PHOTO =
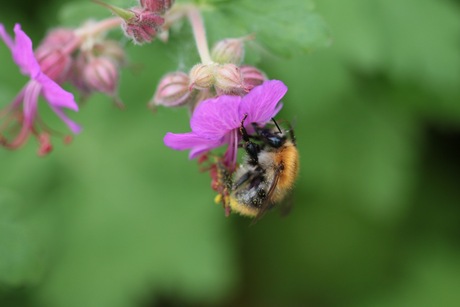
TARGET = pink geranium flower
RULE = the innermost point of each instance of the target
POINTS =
(24, 106)
(216, 121)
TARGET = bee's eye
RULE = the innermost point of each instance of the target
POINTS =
(275, 141)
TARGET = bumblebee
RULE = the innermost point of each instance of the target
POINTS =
(268, 172)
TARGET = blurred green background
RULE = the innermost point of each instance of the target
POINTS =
(118, 219)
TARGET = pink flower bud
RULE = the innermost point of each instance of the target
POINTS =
(229, 79)
(59, 37)
(172, 91)
(202, 76)
(101, 75)
(230, 50)
(54, 53)
(143, 26)
(157, 6)
(53, 62)
(252, 77)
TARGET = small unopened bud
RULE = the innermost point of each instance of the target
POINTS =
(157, 6)
(229, 79)
(252, 77)
(230, 50)
(143, 27)
(202, 76)
(58, 37)
(139, 24)
(53, 62)
(76, 73)
(101, 75)
(54, 53)
(172, 91)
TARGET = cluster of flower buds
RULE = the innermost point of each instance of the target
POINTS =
(97, 69)
(144, 22)
(223, 76)
(90, 63)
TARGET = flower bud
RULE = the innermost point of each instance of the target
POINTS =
(143, 26)
(229, 79)
(157, 6)
(76, 73)
(53, 62)
(59, 37)
(252, 77)
(101, 75)
(172, 91)
(54, 53)
(230, 50)
(202, 76)
(139, 24)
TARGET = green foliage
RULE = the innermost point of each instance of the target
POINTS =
(118, 219)
(73, 14)
(284, 28)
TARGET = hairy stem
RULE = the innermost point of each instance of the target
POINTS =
(199, 33)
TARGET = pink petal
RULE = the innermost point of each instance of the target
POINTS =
(56, 95)
(31, 93)
(75, 128)
(213, 118)
(6, 37)
(190, 140)
(261, 104)
(23, 53)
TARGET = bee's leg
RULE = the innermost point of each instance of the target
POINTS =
(258, 130)
(251, 148)
(241, 180)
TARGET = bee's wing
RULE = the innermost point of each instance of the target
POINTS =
(268, 204)
(286, 205)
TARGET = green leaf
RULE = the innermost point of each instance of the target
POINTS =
(412, 41)
(284, 28)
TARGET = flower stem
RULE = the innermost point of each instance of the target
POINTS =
(196, 21)
(101, 26)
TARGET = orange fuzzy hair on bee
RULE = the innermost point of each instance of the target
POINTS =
(288, 159)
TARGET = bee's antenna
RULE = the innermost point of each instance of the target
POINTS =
(276, 124)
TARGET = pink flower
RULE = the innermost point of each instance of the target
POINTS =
(27, 99)
(216, 121)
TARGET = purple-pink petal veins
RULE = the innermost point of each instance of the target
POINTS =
(215, 122)
(213, 118)
(190, 140)
(261, 104)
